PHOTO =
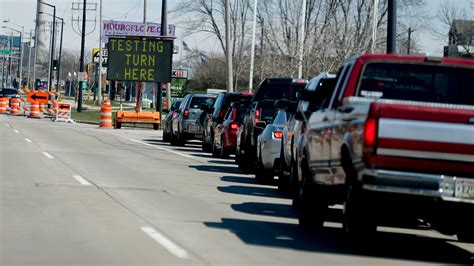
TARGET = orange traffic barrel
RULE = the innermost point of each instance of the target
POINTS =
(34, 110)
(3, 105)
(15, 107)
(41, 107)
(106, 115)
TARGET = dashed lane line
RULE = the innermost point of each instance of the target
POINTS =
(16, 131)
(49, 156)
(28, 140)
(165, 242)
(82, 180)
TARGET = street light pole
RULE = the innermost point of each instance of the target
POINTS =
(50, 76)
(81, 67)
(392, 27)
(252, 54)
(29, 60)
(99, 95)
(58, 71)
(302, 35)
(228, 48)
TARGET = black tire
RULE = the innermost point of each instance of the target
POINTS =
(262, 176)
(224, 153)
(358, 219)
(173, 139)
(283, 180)
(166, 137)
(206, 147)
(155, 126)
(215, 150)
(465, 233)
(310, 202)
(181, 139)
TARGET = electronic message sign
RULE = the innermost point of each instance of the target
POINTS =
(146, 60)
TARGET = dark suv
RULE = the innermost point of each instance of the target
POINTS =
(216, 114)
(186, 125)
(260, 113)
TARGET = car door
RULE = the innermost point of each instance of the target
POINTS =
(319, 134)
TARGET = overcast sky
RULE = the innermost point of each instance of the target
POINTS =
(23, 12)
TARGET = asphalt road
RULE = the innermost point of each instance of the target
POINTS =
(73, 194)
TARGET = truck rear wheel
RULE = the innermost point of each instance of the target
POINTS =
(358, 219)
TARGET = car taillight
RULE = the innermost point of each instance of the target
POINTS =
(277, 134)
(234, 126)
(186, 114)
(371, 130)
(257, 115)
(174, 114)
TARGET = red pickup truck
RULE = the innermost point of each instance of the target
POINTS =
(396, 138)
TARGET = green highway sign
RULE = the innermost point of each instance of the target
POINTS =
(5, 52)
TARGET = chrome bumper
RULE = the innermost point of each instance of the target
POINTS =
(437, 186)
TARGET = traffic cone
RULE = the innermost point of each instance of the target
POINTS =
(34, 110)
(3, 105)
(106, 115)
(15, 107)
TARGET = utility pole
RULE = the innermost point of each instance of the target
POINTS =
(29, 60)
(410, 31)
(99, 96)
(302, 35)
(58, 71)
(252, 55)
(228, 48)
(83, 42)
(50, 80)
(392, 27)
(164, 33)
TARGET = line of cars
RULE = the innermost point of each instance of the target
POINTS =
(387, 136)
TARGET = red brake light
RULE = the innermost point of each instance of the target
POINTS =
(186, 114)
(370, 135)
(277, 134)
(257, 115)
(234, 126)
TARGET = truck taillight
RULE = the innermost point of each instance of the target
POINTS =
(370, 135)
(234, 126)
(258, 113)
(371, 129)
(186, 114)
(277, 134)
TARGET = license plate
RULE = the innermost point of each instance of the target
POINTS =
(194, 128)
(464, 189)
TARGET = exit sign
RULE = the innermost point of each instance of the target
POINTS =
(5, 52)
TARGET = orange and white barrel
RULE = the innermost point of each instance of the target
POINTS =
(3, 105)
(41, 107)
(106, 115)
(34, 110)
(15, 107)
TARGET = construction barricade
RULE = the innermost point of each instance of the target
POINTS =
(15, 107)
(3, 105)
(34, 110)
(106, 115)
(63, 113)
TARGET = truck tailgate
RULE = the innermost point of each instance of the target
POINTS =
(437, 139)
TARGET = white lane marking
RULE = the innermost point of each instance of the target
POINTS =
(81, 180)
(165, 242)
(16, 131)
(48, 155)
(28, 140)
(164, 149)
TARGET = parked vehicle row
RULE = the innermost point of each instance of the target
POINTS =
(388, 135)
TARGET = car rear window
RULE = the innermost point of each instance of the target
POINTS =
(197, 101)
(416, 82)
(278, 91)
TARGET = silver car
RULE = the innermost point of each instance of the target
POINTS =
(269, 146)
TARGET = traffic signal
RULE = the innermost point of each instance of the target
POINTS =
(55, 64)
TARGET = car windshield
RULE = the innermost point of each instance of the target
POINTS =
(425, 83)
(197, 101)
(8, 91)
